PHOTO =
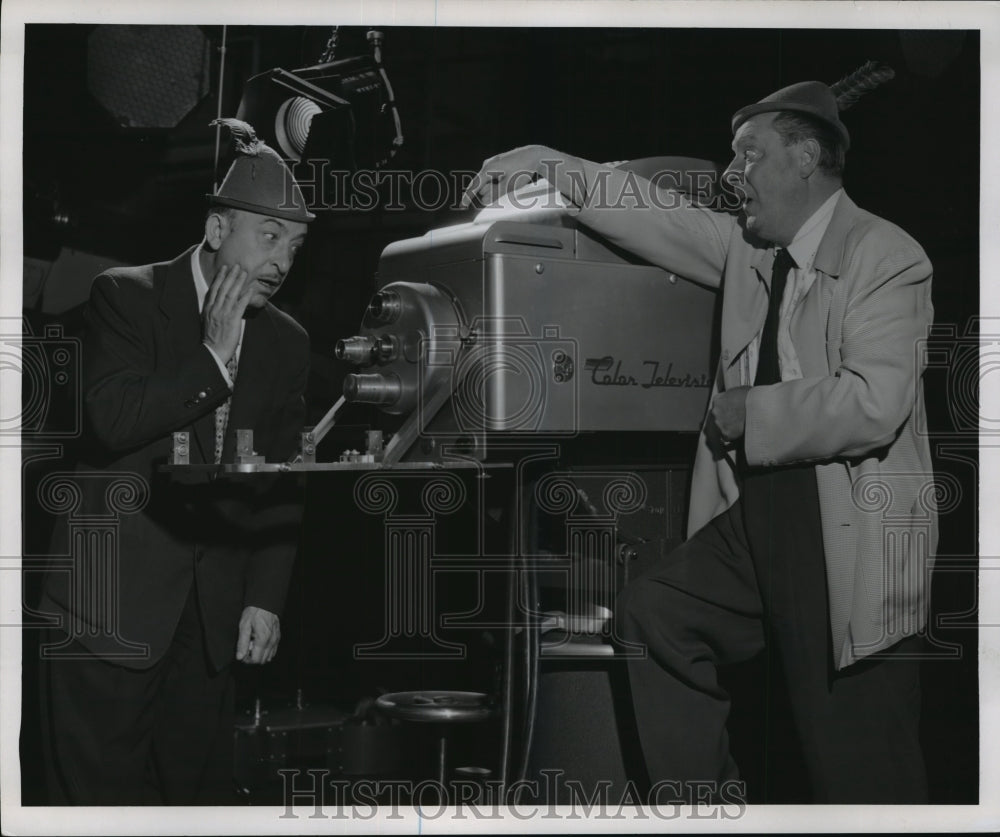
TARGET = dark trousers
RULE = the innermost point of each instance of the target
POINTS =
(752, 580)
(121, 736)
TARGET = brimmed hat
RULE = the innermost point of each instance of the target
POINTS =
(812, 97)
(258, 180)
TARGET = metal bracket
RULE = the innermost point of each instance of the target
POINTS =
(307, 447)
(376, 445)
(245, 454)
(181, 452)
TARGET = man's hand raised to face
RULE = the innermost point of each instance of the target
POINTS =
(225, 303)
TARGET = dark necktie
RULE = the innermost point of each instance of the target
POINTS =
(768, 367)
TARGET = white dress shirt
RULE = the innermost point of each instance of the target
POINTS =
(803, 252)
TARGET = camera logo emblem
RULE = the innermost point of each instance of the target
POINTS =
(49, 369)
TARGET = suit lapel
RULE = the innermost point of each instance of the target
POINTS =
(179, 308)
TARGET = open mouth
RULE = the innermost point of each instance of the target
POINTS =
(269, 283)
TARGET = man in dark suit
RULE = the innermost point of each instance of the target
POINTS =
(137, 687)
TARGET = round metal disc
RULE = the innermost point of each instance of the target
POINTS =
(430, 706)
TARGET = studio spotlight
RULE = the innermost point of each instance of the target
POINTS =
(291, 125)
(340, 111)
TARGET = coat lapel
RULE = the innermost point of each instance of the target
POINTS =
(745, 305)
(179, 307)
(828, 265)
(830, 255)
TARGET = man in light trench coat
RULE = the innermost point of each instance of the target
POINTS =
(812, 523)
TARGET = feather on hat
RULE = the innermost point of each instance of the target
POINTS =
(258, 180)
(819, 100)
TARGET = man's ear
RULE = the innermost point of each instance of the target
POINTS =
(809, 154)
(216, 229)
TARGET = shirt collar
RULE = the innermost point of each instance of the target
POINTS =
(806, 242)
(200, 285)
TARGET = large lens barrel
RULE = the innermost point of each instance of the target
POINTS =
(356, 350)
(383, 389)
(364, 350)
(386, 306)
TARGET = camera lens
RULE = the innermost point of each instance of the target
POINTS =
(386, 306)
(372, 389)
(357, 350)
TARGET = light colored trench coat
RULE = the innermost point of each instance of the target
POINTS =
(857, 412)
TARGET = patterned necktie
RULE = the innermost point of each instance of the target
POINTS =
(768, 367)
(222, 413)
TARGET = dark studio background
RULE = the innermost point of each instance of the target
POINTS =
(136, 195)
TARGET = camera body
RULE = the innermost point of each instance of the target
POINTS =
(502, 327)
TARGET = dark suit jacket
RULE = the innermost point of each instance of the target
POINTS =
(146, 374)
